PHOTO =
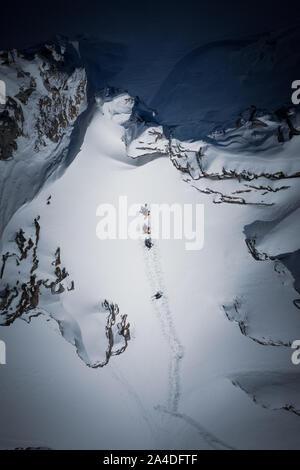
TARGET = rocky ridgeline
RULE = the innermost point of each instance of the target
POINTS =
(45, 95)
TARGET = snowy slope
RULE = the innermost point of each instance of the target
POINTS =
(176, 372)
(69, 222)
(105, 269)
(276, 391)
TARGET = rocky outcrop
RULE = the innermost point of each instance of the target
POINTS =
(115, 331)
(271, 390)
(235, 312)
(23, 285)
(46, 94)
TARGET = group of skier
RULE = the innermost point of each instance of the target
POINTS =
(147, 228)
(148, 242)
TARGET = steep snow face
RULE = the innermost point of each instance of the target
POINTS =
(33, 283)
(245, 165)
(45, 97)
(227, 311)
(155, 362)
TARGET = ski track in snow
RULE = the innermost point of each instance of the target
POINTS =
(213, 441)
(163, 313)
(119, 376)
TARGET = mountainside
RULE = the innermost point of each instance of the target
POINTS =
(210, 87)
(97, 348)
(45, 96)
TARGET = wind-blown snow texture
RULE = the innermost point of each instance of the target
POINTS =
(96, 360)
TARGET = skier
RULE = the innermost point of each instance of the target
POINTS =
(145, 211)
(158, 295)
(148, 243)
(147, 229)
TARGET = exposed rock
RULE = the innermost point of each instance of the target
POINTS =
(22, 298)
(46, 93)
